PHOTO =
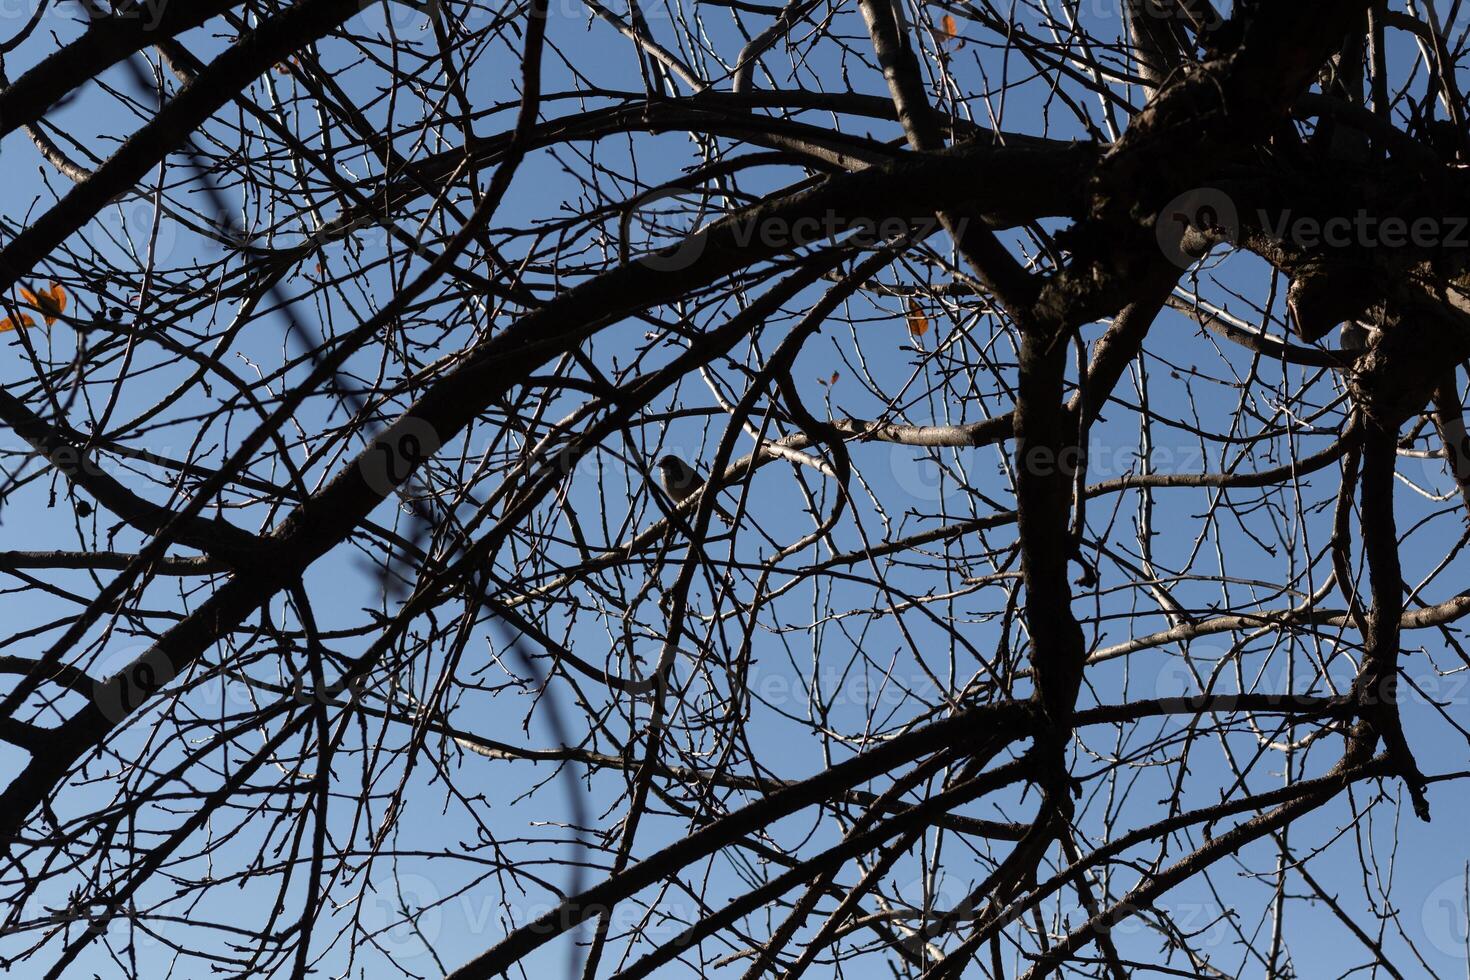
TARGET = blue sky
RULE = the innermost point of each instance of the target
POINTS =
(438, 870)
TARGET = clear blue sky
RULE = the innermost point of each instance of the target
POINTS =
(1424, 867)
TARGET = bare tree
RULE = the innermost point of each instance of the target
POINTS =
(1078, 383)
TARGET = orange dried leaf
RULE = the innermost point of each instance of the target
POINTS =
(8, 324)
(951, 29)
(834, 378)
(50, 303)
(918, 322)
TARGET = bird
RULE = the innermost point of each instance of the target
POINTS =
(1355, 336)
(1326, 293)
(680, 481)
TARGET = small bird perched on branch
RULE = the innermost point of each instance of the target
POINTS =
(1355, 336)
(680, 481)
